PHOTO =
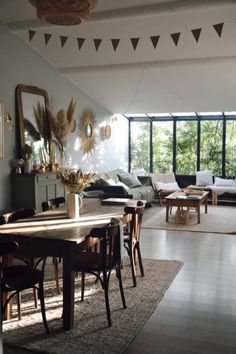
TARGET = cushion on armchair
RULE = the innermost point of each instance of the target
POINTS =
(204, 178)
(222, 182)
(167, 186)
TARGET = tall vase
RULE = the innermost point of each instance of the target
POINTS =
(74, 203)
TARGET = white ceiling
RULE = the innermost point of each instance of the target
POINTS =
(192, 76)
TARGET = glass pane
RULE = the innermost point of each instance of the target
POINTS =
(186, 147)
(211, 146)
(140, 145)
(230, 147)
(163, 147)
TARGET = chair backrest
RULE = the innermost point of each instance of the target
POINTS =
(8, 248)
(53, 203)
(19, 214)
(2, 220)
(135, 220)
(109, 244)
(163, 177)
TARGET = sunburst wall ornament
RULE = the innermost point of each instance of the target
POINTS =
(87, 130)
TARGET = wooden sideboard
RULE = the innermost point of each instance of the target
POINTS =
(30, 190)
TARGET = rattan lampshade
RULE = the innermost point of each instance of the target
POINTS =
(63, 12)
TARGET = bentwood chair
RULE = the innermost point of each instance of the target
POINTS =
(101, 262)
(132, 237)
(48, 205)
(17, 278)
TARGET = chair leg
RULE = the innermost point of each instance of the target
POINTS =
(82, 285)
(140, 259)
(35, 298)
(132, 265)
(118, 275)
(56, 272)
(106, 284)
(42, 303)
(19, 305)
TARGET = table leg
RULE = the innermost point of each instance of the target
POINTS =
(68, 293)
(167, 212)
(206, 204)
(198, 214)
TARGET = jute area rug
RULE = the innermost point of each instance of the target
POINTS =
(219, 219)
(90, 333)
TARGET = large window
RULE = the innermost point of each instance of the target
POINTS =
(186, 147)
(211, 146)
(184, 142)
(163, 146)
(140, 146)
(230, 146)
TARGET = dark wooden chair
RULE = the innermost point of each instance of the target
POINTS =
(101, 262)
(17, 278)
(53, 203)
(132, 237)
(48, 205)
(19, 214)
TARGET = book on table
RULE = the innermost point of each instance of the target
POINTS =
(116, 201)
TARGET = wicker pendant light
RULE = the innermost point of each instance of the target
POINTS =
(63, 12)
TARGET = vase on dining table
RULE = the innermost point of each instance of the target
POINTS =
(74, 205)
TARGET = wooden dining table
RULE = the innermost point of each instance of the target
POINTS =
(52, 233)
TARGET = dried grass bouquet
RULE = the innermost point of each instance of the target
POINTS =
(74, 181)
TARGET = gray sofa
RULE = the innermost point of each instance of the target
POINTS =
(120, 183)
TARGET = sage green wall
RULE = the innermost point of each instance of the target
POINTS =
(20, 64)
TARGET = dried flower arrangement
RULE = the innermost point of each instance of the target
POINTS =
(74, 181)
(27, 152)
(62, 124)
(42, 125)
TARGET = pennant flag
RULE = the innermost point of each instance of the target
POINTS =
(97, 43)
(80, 42)
(155, 40)
(47, 37)
(219, 27)
(63, 40)
(134, 42)
(175, 37)
(31, 35)
(196, 33)
(115, 43)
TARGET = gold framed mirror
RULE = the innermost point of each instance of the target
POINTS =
(33, 123)
(87, 130)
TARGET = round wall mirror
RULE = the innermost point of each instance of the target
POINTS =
(88, 131)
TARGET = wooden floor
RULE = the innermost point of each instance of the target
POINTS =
(198, 312)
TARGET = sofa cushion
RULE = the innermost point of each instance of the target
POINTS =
(100, 181)
(130, 180)
(222, 182)
(167, 186)
(204, 178)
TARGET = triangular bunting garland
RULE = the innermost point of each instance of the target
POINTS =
(63, 40)
(134, 42)
(175, 37)
(31, 35)
(218, 28)
(47, 37)
(155, 40)
(196, 33)
(80, 42)
(97, 43)
(115, 43)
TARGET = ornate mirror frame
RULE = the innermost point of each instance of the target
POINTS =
(20, 91)
(87, 128)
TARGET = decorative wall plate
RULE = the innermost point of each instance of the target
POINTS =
(87, 127)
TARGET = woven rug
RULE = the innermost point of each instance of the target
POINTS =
(90, 333)
(219, 219)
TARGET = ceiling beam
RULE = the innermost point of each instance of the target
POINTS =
(147, 65)
(161, 8)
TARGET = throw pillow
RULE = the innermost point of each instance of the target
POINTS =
(130, 180)
(223, 182)
(167, 186)
(100, 182)
(204, 178)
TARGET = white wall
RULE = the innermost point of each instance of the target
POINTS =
(19, 64)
